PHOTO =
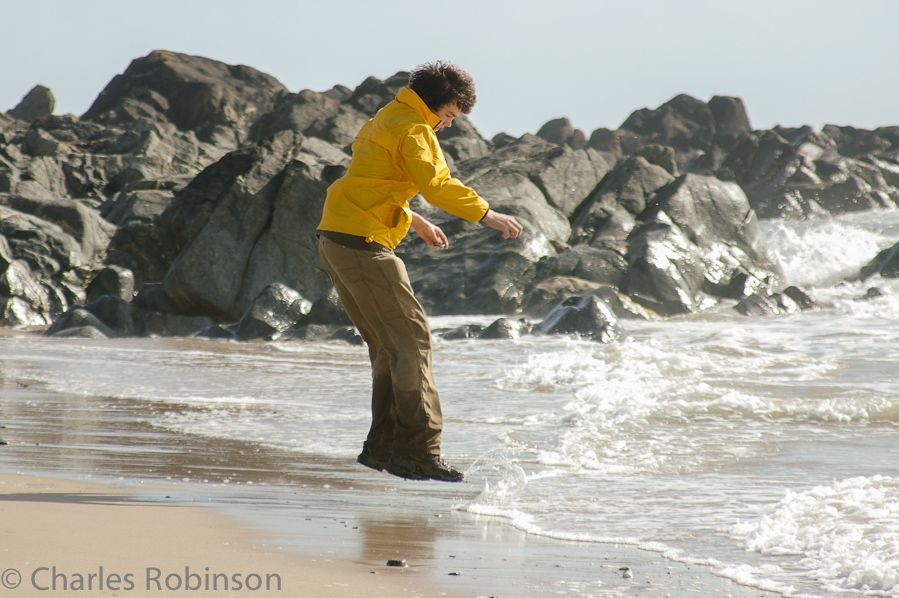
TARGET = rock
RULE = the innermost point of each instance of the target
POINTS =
(857, 143)
(698, 230)
(152, 297)
(464, 331)
(50, 266)
(314, 114)
(561, 132)
(84, 225)
(145, 248)
(229, 206)
(81, 332)
(248, 221)
(610, 212)
(501, 140)
(326, 310)
(798, 173)
(111, 280)
(17, 312)
(287, 250)
(684, 123)
(37, 103)
(587, 316)
(731, 120)
(217, 101)
(739, 285)
(800, 297)
(886, 264)
(480, 272)
(564, 176)
(660, 155)
(767, 305)
(38, 143)
(549, 292)
(275, 310)
(607, 143)
(873, 293)
(597, 264)
(372, 94)
(23, 300)
(79, 318)
(462, 141)
(348, 334)
(116, 313)
(505, 328)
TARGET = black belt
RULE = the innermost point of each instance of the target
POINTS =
(351, 241)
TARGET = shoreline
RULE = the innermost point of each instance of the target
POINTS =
(64, 536)
(146, 536)
(93, 460)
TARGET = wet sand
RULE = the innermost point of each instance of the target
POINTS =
(103, 487)
(65, 536)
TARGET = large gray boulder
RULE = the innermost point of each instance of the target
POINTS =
(697, 234)
(217, 101)
(23, 300)
(611, 211)
(46, 267)
(561, 132)
(249, 221)
(605, 265)
(586, 316)
(886, 264)
(81, 223)
(275, 310)
(111, 280)
(37, 103)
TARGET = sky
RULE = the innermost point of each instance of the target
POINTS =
(793, 62)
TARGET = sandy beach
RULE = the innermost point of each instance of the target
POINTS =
(65, 536)
(92, 493)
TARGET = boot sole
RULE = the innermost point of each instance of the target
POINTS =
(408, 474)
(371, 463)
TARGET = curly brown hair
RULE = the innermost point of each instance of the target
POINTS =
(441, 83)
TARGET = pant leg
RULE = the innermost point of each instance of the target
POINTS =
(383, 407)
(379, 295)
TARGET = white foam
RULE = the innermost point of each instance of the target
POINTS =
(844, 536)
(818, 252)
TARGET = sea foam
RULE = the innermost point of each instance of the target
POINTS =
(844, 535)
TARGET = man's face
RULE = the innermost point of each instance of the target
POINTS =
(447, 113)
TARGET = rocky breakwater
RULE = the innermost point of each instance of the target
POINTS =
(185, 201)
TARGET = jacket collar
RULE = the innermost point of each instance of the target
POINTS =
(411, 99)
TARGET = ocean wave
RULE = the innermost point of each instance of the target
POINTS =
(844, 536)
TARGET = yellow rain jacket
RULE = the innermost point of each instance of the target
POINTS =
(395, 155)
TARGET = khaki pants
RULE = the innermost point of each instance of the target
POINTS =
(376, 293)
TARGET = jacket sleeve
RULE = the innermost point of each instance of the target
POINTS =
(423, 161)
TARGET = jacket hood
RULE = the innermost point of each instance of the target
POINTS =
(411, 99)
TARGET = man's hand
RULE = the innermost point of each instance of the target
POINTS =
(430, 232)
(507, 225)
